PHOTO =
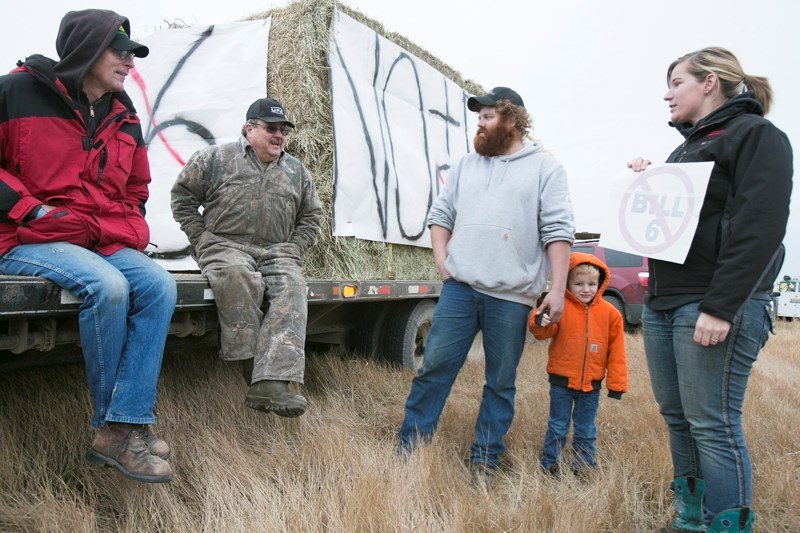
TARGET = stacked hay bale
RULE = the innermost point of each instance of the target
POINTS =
(297, 75)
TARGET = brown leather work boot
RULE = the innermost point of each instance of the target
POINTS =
(273, 396)
(124, 447)
(155, 444)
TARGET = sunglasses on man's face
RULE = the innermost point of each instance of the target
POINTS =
(124, 54)
(272, 128)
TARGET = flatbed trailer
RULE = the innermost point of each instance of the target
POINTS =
(384, 319)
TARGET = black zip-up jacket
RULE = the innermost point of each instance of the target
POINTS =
(744, 214)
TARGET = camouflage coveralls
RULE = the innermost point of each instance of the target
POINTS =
(256, 224)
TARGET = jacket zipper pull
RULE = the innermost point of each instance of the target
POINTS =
(90, 126)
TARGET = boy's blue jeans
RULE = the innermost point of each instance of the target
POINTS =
(128, 301)
(700, 392)
(459, 315)
(580, 408)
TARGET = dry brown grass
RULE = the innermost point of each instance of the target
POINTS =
(334, 469)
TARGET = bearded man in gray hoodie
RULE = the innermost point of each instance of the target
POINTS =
(502, 223)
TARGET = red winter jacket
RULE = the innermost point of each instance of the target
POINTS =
(98, 183)
(588, 343)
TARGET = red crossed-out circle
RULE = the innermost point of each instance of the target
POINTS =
(642, 185)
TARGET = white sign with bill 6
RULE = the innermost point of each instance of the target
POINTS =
(654, 213)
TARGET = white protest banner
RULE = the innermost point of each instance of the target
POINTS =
(654, 213)
(192, 91)
(399, 124)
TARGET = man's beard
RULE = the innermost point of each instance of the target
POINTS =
(494, 141)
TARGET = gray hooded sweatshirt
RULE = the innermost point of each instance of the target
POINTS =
(503, 211)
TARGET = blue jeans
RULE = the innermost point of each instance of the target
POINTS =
(581, 409)
(700, 392)
(459, 315)
(128, 301)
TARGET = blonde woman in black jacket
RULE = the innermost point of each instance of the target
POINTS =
(706, 320)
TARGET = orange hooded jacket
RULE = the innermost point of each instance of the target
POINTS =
(588, 343)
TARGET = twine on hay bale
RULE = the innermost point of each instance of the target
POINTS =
(297, 75)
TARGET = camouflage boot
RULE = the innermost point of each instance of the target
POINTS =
(124, 447)
(273, 396)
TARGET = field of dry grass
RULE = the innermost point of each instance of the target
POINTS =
(334, 469)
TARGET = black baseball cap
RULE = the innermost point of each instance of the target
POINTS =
(121, 41)
(475, 103)
(268, 110)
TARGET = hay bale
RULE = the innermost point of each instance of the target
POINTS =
(297, 75)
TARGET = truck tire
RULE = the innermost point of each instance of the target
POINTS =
(405, 333)
(364, 338)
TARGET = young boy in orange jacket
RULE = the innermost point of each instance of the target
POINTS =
(587, 346)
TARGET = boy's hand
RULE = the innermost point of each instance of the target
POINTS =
(542, 319)
(538, 318)
(553, 305)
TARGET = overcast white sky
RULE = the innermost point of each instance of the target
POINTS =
(592, 73)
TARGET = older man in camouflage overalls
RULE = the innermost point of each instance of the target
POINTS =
(260, 214)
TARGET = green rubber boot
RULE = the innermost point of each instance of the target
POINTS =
(688, 504)
(732, 521)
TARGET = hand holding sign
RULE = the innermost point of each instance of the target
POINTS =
(655, 212)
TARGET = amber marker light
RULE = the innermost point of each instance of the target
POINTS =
(348, 291)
